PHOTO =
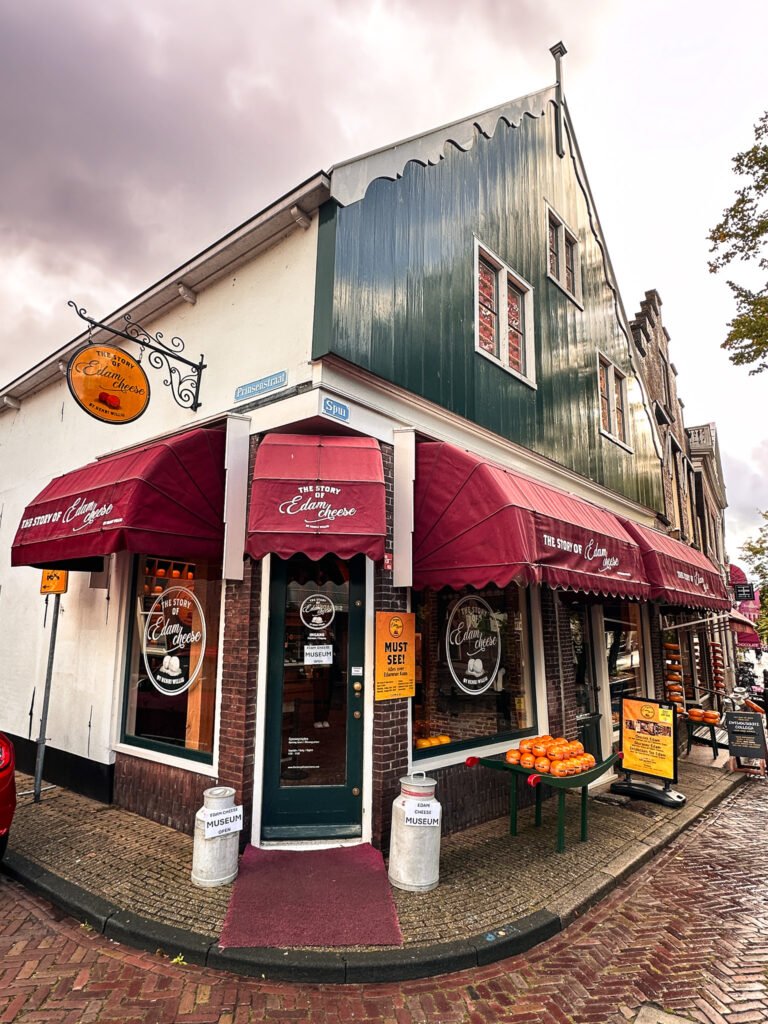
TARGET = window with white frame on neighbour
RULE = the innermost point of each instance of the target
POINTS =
(613, 399)
(563, 256)
(504, 315)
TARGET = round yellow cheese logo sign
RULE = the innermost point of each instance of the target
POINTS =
(108, 383)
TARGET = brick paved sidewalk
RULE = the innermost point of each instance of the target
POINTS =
(489, 881)
(683, 939)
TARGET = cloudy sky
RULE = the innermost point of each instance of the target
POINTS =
(136, 133)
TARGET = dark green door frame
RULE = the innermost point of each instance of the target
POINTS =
(313, 811)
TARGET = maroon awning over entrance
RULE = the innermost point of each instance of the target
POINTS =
(318, 495)
(164, 498)
(679, 574)
(478, 524)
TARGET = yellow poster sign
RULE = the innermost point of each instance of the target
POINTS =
(54, 581)
(648, 738)
(108, 384)
(395, 655)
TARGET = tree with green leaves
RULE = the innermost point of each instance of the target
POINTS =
(754, 551)
(742, 234)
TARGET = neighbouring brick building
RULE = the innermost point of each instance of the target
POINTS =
(419, 396)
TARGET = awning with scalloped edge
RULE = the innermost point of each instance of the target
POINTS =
(318, 495)
(476, 524)
(679, 574)
(164, 498)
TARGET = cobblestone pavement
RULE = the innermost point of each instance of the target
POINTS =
(685, 938)
(486, 881)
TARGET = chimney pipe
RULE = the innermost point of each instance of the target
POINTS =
(558, 51)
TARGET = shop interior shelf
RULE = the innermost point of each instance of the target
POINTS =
(536, 780)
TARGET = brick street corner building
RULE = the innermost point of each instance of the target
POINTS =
(421, 395)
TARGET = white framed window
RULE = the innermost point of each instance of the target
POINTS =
(503, 315)
(563, 256)
(612, 388)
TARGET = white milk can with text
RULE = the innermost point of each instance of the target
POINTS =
(414, 849)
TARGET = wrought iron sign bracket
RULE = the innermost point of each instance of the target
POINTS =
(184, 385)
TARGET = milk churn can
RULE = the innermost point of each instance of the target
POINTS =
(414, 849)
(214, 861)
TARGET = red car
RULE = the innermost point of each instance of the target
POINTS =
(7, 789)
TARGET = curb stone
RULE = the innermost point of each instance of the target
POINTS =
(316, 966)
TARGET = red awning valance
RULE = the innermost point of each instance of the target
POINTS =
(679, 574)
(317, 495)
(164, 498)
(477, 524)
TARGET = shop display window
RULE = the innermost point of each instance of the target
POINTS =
(624, 656)
(173, 636)
(473, 683)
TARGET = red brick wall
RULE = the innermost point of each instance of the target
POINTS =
(240, 663)
(171, 796)
(390, 717)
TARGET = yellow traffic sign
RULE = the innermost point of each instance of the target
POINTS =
(54, 581)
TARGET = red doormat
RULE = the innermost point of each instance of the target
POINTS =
(338, 897)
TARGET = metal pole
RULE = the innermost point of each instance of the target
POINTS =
(46, 699)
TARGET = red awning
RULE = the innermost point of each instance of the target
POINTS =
(679, 574)
(737, 574)
(736, 620)
(749, 640)
(165, 498)
(317, 495)
(478, 524)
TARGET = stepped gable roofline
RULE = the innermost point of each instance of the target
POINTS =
(351, 178)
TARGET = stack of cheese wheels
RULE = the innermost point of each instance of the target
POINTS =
(549, 755)
(716, 656)
(673, 675)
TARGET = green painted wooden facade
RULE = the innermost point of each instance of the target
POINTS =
(396, 297)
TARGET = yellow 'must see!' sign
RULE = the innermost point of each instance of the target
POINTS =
(395, 655)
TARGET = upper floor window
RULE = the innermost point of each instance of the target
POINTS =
(504, 315)
(612, 386)
(563, 264)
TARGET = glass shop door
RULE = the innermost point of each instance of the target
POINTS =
(314, 709)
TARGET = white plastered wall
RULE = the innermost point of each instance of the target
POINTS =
(250, 324)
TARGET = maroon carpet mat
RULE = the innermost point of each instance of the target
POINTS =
(337, 897)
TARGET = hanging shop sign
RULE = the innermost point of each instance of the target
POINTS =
(183, 376)
(746, 734)
(743, 591)
(395, 655)
(173, 645)
(648, 738)
(473, 645)
(54, 581)
(108, 384)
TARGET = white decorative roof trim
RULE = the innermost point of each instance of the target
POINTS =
(350, 180)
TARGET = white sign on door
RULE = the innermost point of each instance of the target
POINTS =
(318, 654)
